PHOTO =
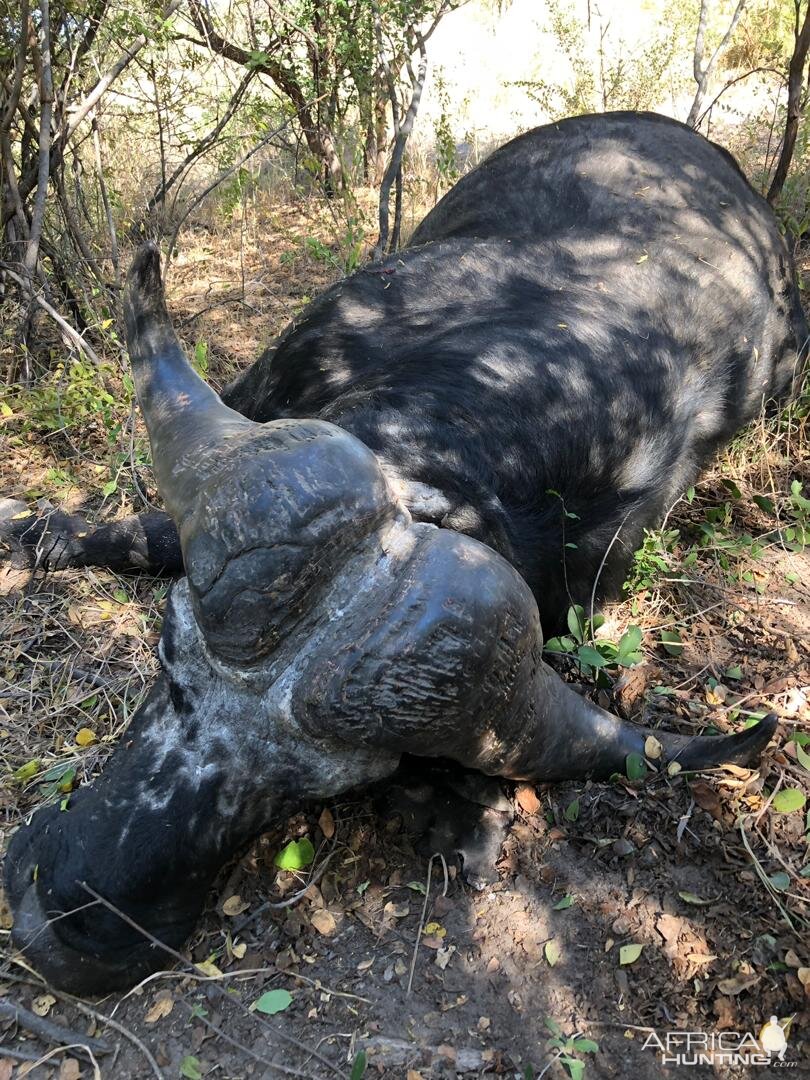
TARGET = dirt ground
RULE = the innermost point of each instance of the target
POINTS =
(621, 910)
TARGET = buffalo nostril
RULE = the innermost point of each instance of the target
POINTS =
(33, 934)
(62, 966)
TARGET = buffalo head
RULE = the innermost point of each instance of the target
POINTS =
(319, 633)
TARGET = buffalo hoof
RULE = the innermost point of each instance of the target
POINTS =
(460, 814)
(28, 540)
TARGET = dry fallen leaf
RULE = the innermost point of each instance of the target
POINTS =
(443, 956)
(435, 929)
(208, 967)
(326, 823)
(323, 921)
(725, 1012)
(707, 799)
(397, 911)
(716, 695)
(43, 1004)
(70, 1069)
(652, 748)
(239, 950)
(527, 799)
(6, 1068)
(736, 984)
(235, 905)
(161, 1007)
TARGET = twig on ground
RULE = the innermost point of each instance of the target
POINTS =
(279, 905)
(19, 1055)
(45, 1059)
(244, 1049)
(47, 1030)
(181, 959)
(108, 1021)
(763, 877)
(435, 855)
(34, 979)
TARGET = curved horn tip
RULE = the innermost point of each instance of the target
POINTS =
(744, 748)
(144, 272)
(752, 741)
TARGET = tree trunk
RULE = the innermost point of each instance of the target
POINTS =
(380, 133)
(703, 72)
(795, 83)
(323, 144)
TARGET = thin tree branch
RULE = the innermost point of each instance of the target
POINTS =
(703, 72)
(15, 88)
(794, 106)
(46, 111)
(395, 164)
(62, 323)
(108, 78)
(105, 199)
(204, 144)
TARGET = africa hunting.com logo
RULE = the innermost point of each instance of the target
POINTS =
(725, 1047)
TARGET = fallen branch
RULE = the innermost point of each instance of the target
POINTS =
(188, 965)
(47, 1030)
(62, 323)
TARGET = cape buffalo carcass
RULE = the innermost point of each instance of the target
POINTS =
(442, 453)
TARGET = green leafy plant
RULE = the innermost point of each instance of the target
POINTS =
(296, 855)
(74, 393)
(593, 655)
(443, 140)
(797, 535)
(200, 359)
(568, 1047)
(652, 559)
(349, 247)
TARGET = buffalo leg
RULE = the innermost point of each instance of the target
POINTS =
(56, 541)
